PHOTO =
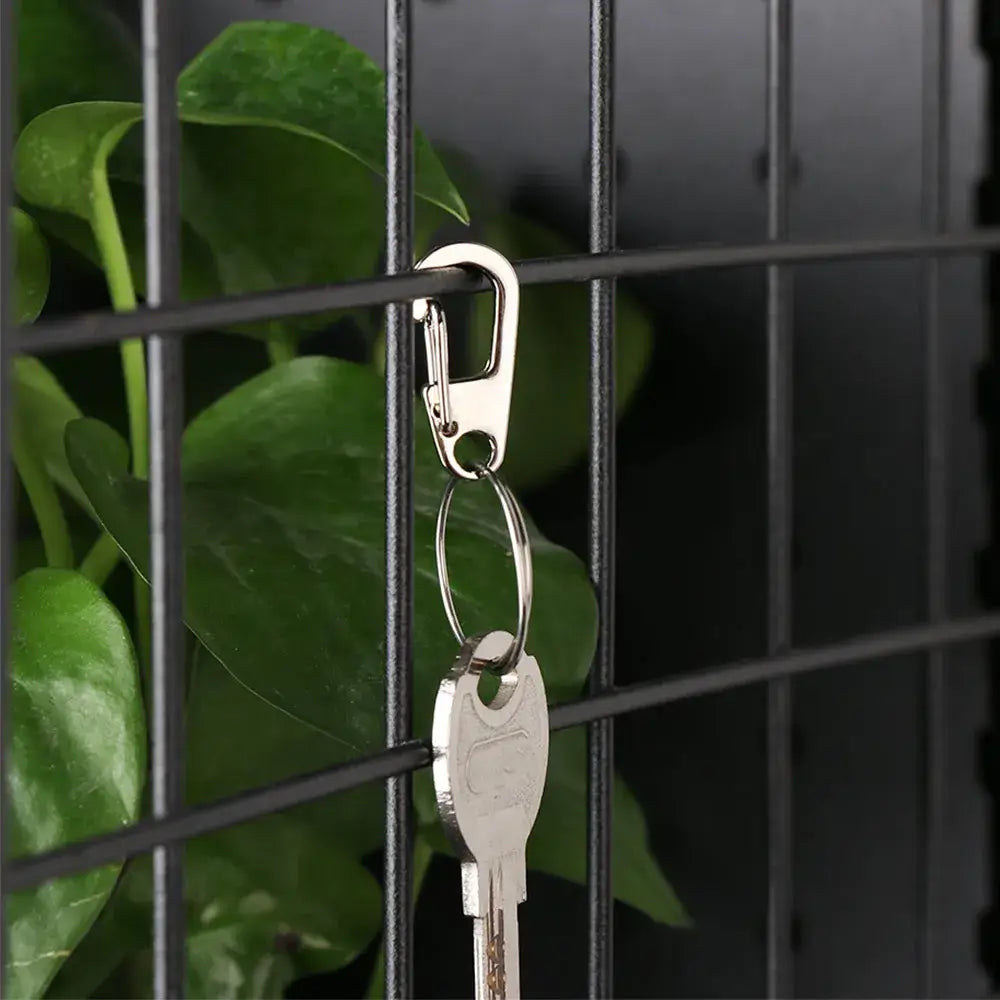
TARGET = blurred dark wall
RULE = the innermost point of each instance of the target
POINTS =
(506, 82)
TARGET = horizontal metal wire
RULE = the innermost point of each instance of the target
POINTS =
(24, 873)
(212, 314)
(148, 833)
(802, 661)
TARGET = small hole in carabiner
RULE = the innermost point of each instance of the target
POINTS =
(446, 430)
(474, 450)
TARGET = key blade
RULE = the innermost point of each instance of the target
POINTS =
(495, 942)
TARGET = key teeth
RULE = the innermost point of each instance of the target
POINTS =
(476, 883)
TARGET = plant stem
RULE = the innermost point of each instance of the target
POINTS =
(133, 355)
(111, 245)
(280, 345)
(44, 502)
(422, 854)
(102, 558)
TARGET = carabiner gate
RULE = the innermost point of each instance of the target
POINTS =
(480, 404)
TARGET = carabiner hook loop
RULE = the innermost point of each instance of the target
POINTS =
(480, 404)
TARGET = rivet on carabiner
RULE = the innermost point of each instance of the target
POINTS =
(480, 404)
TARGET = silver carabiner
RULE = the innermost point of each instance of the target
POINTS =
(480, 404)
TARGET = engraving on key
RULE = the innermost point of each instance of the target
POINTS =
(489, 774)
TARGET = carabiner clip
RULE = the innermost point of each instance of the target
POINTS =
(480, 403)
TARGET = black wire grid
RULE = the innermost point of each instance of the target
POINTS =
(172, 823)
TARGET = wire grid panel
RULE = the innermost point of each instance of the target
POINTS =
(163, 319)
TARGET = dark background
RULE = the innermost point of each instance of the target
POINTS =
(506, 82)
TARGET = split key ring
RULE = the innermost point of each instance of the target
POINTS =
(521, 549)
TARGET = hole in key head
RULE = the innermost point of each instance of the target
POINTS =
(489, 685)
(474, 449)
(494, 690)
(495, 684)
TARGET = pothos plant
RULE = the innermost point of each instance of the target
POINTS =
(282, 184)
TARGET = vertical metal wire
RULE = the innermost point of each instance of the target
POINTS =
(8, 76)
(779, 505)
(166, 421)
(399, 394)
(934, 211)
(600, 763)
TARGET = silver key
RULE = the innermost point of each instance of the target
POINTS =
(489, 773)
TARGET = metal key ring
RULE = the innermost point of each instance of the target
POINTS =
(521, 548)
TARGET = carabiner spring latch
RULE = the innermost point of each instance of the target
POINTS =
(480, 404)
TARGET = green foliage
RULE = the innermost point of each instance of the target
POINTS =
(76, 763)
(305, 80)
(31, 268)
(62, 155)
(238, 741)
(262, 900)
(199, 279)
(251, 885)
(72, 50)
(43, 409)
(285, 523)
(283, 165)
(265, 100)
(285, 520)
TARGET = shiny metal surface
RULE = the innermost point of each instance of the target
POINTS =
(436, 339)
(489, 764)
(521, 550)
(480, 404)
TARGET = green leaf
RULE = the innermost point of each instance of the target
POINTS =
(285, 540)
(40, 403)
(323, 222)
(31, 268)
(261, 899)
(72, 50)
(60, 161)
(238, 741)
(120, 930)
(282, 159)
(263, 893)
(308, 80)
(549, 411)
(76, 758)
(199, 278)
(42, 409)
(558, 841)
